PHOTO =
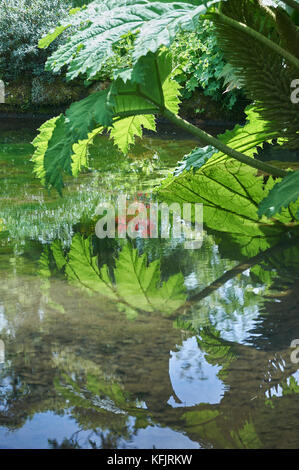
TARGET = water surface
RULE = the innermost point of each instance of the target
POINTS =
(204, 366)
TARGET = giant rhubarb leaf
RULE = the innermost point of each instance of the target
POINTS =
(231, 193)
(137, 286)
(246, 139)
(104, 22)
(124, 109)
(82, 269)
(284, 194)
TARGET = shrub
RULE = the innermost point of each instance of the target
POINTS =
(201, 64)
(22, 24)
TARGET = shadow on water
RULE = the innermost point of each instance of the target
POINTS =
(136, 344)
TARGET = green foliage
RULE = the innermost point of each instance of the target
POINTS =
(80, 157)
(290, 386)
(282, 195)
(246, 139)
(201, 63)
(231, 193)
(119, 60)
(263, 72)
(104, 22)
(195, 159)
(146, 87)
(22, 23)
(123, 108)
(80, 3)
(138, 285)
(217, 351)
(247, 437)
(125, 130)
(40, 142)
(82, 269)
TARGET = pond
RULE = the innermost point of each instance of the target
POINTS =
(120, 343)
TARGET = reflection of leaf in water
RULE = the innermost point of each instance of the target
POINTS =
(246, 438)
(280, 266)
(231, 193)
(79, 395)
(217, 351)
(44, 272)
(287, 260)
(84, 385)
(58, 254)
(82, 268)
(265, 275)
(204, 423)
(83, 382)
(137, 284)
(288, 387)
(184, 325)
(208, 425)
(44, 268)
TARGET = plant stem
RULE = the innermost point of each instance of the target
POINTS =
(259, 37)
(210, 140)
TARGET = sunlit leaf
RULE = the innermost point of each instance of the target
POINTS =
(231, 193)
(245, 139)
(124, 109)
(104, 22)
(285, 192)
(125, 130)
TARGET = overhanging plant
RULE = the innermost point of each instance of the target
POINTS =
(146, 89)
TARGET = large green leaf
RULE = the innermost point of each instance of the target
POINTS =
(137, 286)
(80, 152)
(57, 158)
(282, 195)
(82, 269)
(124, 109)
(83, 116)
(104, 22)
(150, 90)
(231, 193)
(41, 145)
(55, 154)
(246, 139)
(252, 59)
(125, 130)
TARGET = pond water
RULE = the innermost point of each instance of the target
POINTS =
(136, 343)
